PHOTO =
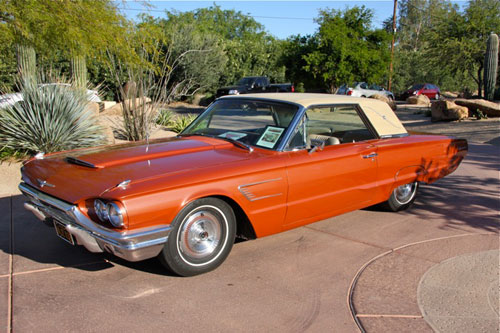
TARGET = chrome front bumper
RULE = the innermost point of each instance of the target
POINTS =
(132, 245)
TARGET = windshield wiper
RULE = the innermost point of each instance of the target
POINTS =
(236, 143)
(233, 141)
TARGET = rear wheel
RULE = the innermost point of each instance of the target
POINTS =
(402, 197)
(201, 238)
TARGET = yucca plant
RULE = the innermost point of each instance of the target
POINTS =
(50, 118)
(181, 122)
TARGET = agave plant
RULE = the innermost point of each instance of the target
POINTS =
(181, 122)
(50, 118)
(164, 117)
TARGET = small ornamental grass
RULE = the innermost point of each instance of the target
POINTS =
(164, 117)
(49, 119)
(181, 122)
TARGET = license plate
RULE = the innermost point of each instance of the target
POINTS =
(63, 233)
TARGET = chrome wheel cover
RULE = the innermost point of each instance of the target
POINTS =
(200, 235)
(405, 193)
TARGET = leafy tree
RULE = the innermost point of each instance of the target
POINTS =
(76, 29)
(295, 48)
(440, 43)
(249, 50)
(345, 48)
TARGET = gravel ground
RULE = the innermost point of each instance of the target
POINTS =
(476, 131)
(413, 118)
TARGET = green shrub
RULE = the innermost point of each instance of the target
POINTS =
(50, 118)
(10, 154)
(164, 117)
(181, 122)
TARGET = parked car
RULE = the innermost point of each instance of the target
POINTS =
(11, 99)
(427, 89)
(362, 89)
(253, 85)
(251, 166)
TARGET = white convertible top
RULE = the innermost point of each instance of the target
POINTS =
(379, 113)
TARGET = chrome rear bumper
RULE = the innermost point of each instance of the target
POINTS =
(132, 245)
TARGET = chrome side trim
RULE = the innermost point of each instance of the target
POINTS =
(132, 245)
(250, 196)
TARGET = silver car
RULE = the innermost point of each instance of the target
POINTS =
(362, 89)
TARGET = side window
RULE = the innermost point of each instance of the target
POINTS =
(363, 85)
(333, 125)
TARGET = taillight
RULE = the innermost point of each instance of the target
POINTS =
(349, 92)
(293, 88)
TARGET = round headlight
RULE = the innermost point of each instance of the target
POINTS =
(101, 210)
(115, 214)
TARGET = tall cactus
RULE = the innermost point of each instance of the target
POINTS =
(490, 66)
(26, 62)
(79, 71)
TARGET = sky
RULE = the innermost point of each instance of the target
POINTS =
(280, 18)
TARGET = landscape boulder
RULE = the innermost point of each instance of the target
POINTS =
(93, 107)
(383, 98)
(419, 100)
(490, 109)
(449, 94)
(109, 134)
(447, 110)
(117, 109)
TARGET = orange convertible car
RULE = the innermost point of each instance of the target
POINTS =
(249, 166)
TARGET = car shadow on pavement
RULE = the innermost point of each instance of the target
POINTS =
(36, 246)
(464, 198)
(453, 200)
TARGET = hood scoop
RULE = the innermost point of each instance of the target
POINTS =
(74, 160)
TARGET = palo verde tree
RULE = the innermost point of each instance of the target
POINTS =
(457, 39)
(346, 48)
(76, 30)
(247, 48)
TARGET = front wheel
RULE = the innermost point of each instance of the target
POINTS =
(402, 197)
(201, 238)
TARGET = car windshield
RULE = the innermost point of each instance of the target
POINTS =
(256, 123)
(246, 81)
(417, 87)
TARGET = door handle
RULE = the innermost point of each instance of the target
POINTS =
(371, 155)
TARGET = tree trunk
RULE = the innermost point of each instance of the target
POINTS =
(26, 62)
(79, 71)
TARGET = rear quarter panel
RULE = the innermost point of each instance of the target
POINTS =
(423, 158)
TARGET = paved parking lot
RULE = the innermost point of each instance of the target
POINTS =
(361, 269)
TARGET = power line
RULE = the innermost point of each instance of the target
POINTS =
(254, 16)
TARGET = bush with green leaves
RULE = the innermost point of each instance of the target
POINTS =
(181, 122)
(50, 118)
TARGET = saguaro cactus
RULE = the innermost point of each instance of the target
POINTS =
(490, 66)
(79, 71)
(26, 62)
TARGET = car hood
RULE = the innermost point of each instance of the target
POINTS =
(76, 175)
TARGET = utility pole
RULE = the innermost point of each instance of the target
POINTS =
(392, 45)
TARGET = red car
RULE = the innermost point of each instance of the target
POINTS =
(427, 89)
